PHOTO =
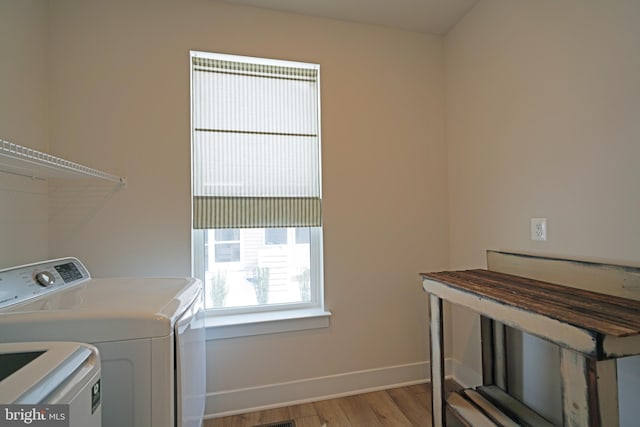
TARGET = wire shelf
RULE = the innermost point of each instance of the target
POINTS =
(25, 161)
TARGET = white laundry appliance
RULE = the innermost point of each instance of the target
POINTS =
(50, 383)
(149, 333)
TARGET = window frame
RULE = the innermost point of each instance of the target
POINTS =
(266, 318)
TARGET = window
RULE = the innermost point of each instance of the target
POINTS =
(257, 223)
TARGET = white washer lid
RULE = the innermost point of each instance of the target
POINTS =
(47, 366)
(102, 310)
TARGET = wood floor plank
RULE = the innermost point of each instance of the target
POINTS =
(385, 409)
(331, 412)
(274, 415)
(414, 403)
(358, 412)
(421, 389)
(309, 421)
(302, 410)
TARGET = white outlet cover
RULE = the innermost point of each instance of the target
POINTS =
(539, 229)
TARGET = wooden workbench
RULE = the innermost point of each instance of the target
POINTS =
(590, 328)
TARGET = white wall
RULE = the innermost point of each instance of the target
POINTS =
(23, 120)
(119, 73)
(542, 108)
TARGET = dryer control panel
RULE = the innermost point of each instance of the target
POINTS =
(19, 284)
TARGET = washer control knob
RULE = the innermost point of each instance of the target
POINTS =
(45, 279)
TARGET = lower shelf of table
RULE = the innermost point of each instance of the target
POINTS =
(490, 406)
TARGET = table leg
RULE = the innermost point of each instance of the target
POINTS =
(436, 329)
(607, 379)
(580, 406)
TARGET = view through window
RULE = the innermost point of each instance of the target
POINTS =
(255, 266)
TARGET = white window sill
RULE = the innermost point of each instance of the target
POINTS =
(244, 325)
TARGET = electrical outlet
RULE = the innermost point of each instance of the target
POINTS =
(539, 229)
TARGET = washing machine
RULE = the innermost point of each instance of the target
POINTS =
(149, 333)
(50, 383)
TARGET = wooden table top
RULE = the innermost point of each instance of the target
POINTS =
(601, 313)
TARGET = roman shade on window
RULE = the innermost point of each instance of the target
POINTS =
(256, 143)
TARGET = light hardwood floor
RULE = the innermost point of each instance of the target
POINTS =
(399, 407)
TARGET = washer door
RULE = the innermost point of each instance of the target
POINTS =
(190, 366)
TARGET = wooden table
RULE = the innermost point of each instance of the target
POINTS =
(591, 329)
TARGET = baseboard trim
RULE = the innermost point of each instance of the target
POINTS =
(240, 401)
(232, 402)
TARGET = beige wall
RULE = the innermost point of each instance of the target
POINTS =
(543, 102)
(119, 75)
(23, 120)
